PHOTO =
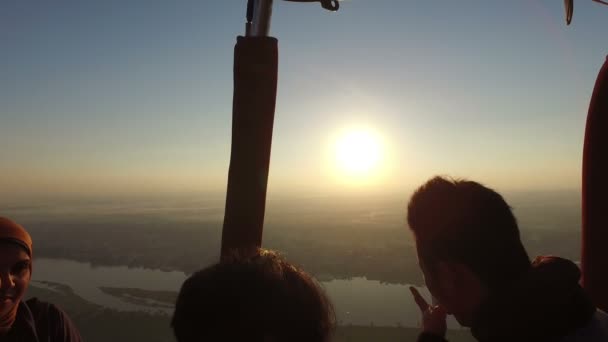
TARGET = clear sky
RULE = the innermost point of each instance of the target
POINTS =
(135, 96)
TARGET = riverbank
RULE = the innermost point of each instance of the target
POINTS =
(99, 324)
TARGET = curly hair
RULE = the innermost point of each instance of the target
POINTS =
(255, 298)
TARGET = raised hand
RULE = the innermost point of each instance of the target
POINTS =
(433, 316)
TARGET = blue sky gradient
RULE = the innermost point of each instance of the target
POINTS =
(135, 96)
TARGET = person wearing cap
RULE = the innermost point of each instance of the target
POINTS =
(32, 320)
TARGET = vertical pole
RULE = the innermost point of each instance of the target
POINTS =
(595, 194)
(262, 15)
(254, 99)
(255, 90)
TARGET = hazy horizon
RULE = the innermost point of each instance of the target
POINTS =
(273, 196)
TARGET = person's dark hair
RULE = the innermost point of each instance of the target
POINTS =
(259, 298)
(463, 221)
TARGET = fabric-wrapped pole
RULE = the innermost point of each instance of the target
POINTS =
(595, 194)
(255, 89)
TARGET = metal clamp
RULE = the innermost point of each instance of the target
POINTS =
(259, 14)
(332, 5)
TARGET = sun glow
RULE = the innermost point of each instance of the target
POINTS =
(358, 154)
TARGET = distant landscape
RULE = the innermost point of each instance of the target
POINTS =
(331, 238)
(99, 324)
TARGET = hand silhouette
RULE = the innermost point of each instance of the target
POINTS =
(433, 316)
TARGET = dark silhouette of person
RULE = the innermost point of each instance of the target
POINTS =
(476, 267)
(32, 320)
(257, 298)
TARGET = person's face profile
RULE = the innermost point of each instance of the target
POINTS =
(15, 275)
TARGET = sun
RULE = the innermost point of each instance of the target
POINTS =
(358, 153)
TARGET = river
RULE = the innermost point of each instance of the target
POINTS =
(357, 301)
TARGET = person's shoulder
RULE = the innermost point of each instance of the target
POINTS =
(595, 330)
(39, 307)
(602, 318)
(52, 321)
(600, 322)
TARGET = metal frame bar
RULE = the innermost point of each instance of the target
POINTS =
(258, 24)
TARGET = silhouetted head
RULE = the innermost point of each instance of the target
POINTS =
(467, 241)
(15, 269)
(261, 298)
